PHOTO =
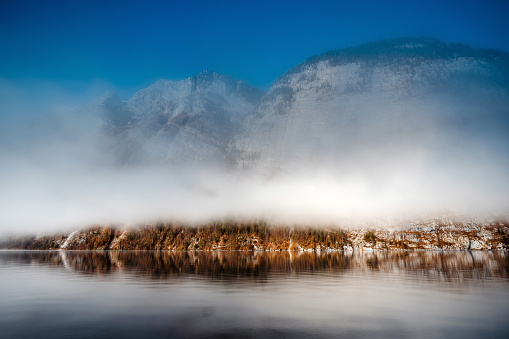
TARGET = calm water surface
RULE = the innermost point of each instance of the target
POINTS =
(244, 294)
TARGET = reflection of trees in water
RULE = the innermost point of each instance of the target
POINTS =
(444, 266)
(430, 266)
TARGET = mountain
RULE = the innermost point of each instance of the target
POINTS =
(408, 127)
(393, 101)
(392, 98)
(186, 121)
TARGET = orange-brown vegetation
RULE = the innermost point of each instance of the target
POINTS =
(258, 235)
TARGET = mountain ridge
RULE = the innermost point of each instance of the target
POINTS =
(426, 47)
(331, 94)
(342, 97)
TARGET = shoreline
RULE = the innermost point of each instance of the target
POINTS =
(436, 235)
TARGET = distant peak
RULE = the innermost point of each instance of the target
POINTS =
(208, 77)
(109, 98)
(208, 73)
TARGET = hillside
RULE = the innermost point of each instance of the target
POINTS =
(434, 234)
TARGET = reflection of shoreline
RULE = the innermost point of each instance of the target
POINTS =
(450, 268)
(65, 260)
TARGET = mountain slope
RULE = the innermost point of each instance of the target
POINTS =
(399, 99)
(388, 99)
(189, 120)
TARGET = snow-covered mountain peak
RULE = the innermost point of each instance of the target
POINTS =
(191, 119)
(164, 95)
(394, 94)
(335, 105)
(207, 74)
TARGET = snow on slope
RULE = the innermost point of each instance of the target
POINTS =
(376, 102)
(189, 120)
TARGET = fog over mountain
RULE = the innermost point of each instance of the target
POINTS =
(388, 129)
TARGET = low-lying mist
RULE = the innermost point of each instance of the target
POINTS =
(57, 173)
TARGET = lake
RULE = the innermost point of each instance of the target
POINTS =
(428, 294)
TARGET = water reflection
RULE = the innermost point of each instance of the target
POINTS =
(453, 268)
(253, 294)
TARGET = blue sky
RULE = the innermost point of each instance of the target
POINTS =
(80, 48)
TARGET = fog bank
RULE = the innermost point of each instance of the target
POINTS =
(59, 172)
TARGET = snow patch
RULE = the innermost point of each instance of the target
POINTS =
(68, 240)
